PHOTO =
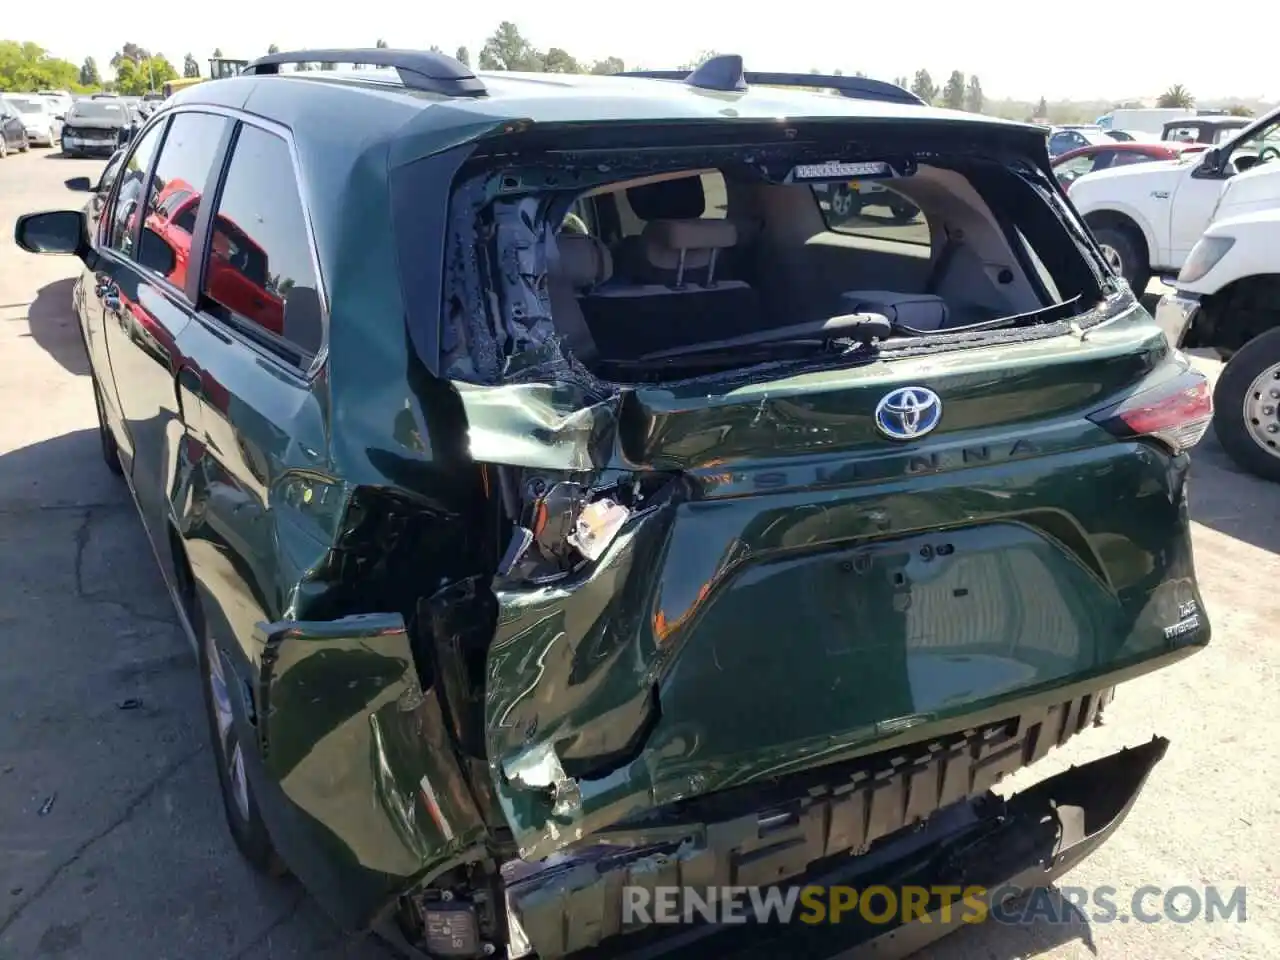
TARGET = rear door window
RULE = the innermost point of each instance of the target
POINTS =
(868, 208)
(259, 274)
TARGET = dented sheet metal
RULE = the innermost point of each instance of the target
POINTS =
(359, 753)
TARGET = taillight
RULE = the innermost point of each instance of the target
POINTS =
(1176, 413)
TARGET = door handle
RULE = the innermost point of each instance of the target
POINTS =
(109, 294)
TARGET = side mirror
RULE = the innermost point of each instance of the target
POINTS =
(60, 116)
(1208, 165)
(79, 184)
(57, 231)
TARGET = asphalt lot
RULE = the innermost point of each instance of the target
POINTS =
(112, 842)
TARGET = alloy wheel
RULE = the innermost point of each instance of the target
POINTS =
(1113, 258)
(1262, 410)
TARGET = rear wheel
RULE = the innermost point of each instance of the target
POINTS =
(1246, 402)
(106, 439)
(248, 829)
(1125, 255)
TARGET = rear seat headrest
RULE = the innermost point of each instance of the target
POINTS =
(692, 234)
(584, 261)
(678, 199)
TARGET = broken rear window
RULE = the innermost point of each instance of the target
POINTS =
(660, 268)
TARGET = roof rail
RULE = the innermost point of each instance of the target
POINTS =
(418, 69)
(725, 73)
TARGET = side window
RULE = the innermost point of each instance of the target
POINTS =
(868, 208)
(259, 273)
(129, 197)
(186, 159)
(1126, 157)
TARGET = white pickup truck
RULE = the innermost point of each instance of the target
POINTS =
(1227, 297)
(1148, 216)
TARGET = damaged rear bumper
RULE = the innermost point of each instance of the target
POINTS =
(1002, 846)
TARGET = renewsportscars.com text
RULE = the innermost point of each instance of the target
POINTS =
(945, 904)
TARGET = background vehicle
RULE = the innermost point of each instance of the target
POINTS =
(1065, 139)
(38, 118)
(848, 200)
(61, 98)
(99, 189)
(1076, 163)
(13, 132)
(219, 69)
(465, 551)
(1228, 298)
(1132, 136)
(1207, 129)
(1149, 119)
(1149, 216)
(98, 125)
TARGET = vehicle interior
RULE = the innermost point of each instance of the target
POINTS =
(673, 263)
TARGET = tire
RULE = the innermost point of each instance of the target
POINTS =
(4, 147)
(1130, 254)
(26, 144)
(248, 829)
(903, 213)
(1248, 388)
(106, 439)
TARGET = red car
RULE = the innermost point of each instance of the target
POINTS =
(1076, 163)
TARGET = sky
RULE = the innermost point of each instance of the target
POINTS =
(1017, 49)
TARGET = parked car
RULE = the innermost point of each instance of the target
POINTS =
(61, 100)
(1205, 129)
(1149, 216)
(848, 200)
(97, 125)
(99, 189)
(1227, 297)
(1132, 136)
(1073, 165)
(13, 132)
(713, 544)
(1149, 119)
(1065, 139)
(38, 118)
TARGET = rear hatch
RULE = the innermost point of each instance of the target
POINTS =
(724, 579)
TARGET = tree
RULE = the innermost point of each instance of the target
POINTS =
(463, 56)
(131, 52)
(973, 98)
(559, 61)
(150, 74)
(434, 49)
(89, 76)
(902, 82)
(607, 66)
(924, 87)
(272, 49)
(953, 93)
(699, 60)
(1176, 96)
(1239, 110)
(217, 52)
(190, 68)
(381, 44)
(328, 66)
(27, 66)
(507, 49)
(1042, 108)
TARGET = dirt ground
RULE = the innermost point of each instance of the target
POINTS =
(112, 843)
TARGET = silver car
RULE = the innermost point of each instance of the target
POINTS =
(38, 118)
